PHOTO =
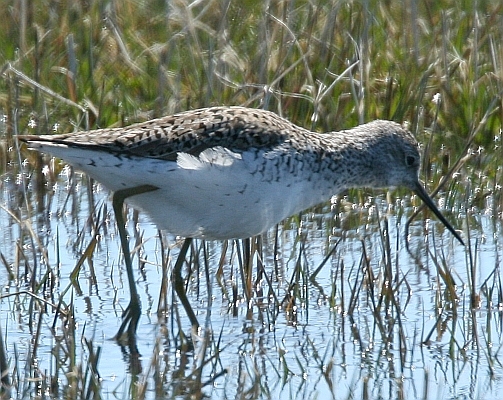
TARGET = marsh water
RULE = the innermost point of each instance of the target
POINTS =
(339, 302)
(331, 304)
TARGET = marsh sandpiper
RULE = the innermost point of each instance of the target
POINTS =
(233, 172)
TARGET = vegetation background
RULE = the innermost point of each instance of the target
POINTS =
(436, 66)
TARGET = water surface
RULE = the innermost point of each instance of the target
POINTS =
(376, 321)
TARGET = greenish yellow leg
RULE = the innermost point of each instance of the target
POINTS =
(132, 313)
(179, 283)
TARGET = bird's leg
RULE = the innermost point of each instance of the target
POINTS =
(179, 283)
(131, 314)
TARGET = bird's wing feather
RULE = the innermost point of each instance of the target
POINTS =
(191, 132)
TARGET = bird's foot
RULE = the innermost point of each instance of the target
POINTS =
(130, 317)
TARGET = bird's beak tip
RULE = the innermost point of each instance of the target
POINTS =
(421, 192)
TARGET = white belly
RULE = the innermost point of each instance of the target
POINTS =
(219, 195)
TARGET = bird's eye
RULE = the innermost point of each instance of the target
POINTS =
(410, 161)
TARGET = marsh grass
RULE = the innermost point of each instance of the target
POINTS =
(329, 299)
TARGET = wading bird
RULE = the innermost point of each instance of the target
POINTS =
(232, 172)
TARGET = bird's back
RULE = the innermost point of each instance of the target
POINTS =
(191, 132)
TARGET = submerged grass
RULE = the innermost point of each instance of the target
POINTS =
(330, 296)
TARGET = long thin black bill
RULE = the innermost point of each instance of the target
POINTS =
(431, 205)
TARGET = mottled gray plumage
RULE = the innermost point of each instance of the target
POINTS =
(231, 172)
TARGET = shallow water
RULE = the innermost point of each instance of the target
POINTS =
(377, 321)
